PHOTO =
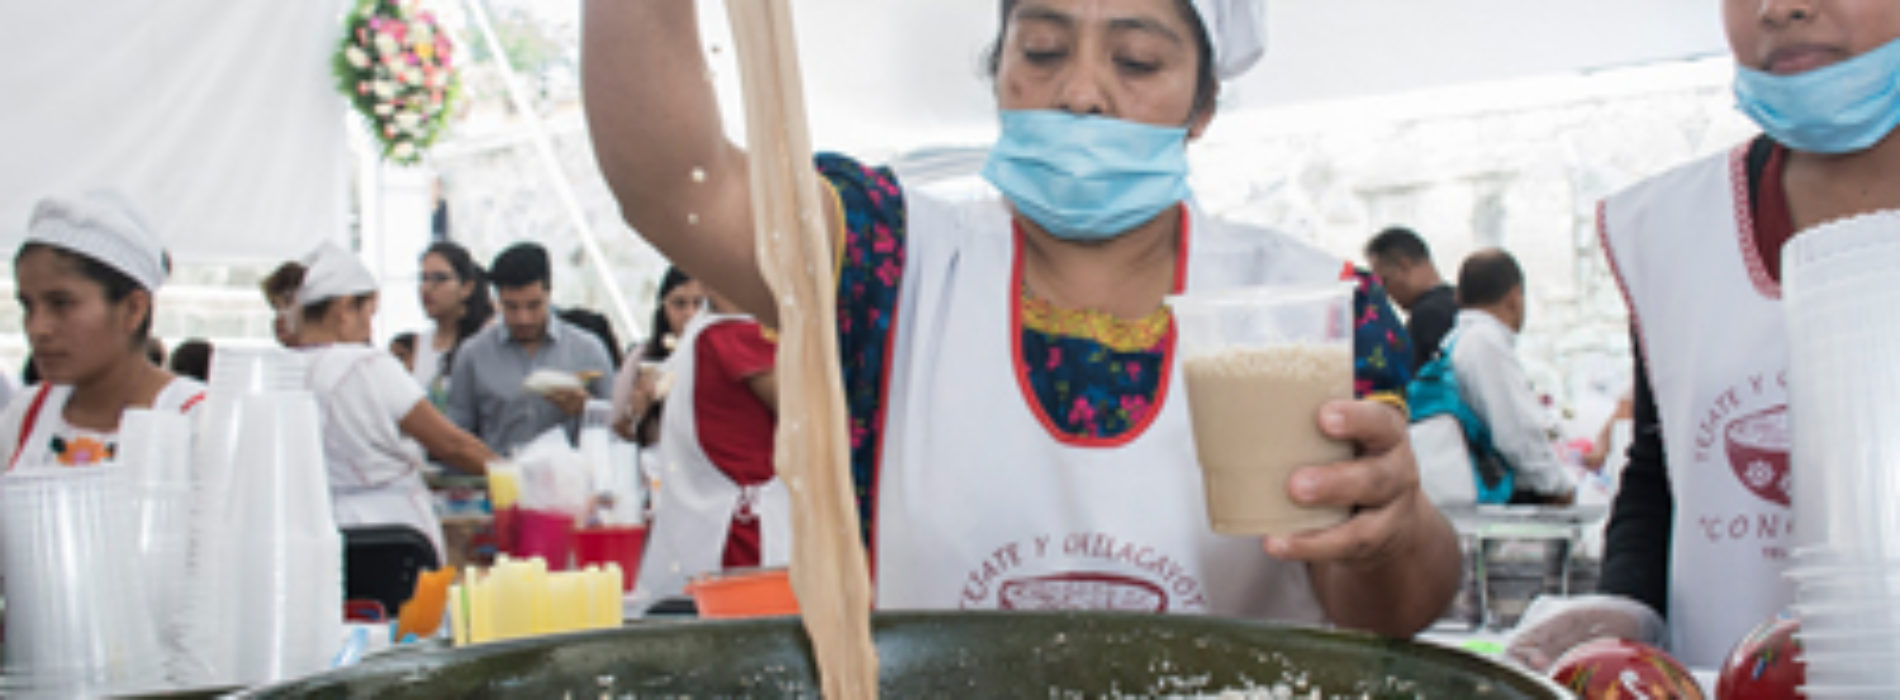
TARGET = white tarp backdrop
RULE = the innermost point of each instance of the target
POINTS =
(218, 118)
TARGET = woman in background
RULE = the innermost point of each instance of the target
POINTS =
(454, 294)
(368, 403)
(636, 405)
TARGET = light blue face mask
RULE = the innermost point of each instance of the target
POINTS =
(1087, 178)
(1842, 108)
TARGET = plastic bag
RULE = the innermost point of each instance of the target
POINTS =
(555, 477)
(1554, 624)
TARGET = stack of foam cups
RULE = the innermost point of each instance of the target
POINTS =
(267, 558)
(1841, 290)
(155, 452)
(289, 566)
(78, 621)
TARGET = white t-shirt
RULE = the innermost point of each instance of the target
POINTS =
(364, 393)
(428, 367)
(55, 441)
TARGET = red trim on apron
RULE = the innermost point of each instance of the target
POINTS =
(29, 423)
(1745, 234)
(1022, 369)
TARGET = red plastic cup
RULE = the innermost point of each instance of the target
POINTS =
(618, 545)
(507, 529)
(547, 535)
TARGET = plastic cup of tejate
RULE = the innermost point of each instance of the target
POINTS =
(1259, 363)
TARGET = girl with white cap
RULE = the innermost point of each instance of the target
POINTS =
(369, 402)
(86, 275)
(1007, 358)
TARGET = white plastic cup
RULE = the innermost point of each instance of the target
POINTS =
(1841, 383)
(285, 577)
(77, 617)
(1258, 363)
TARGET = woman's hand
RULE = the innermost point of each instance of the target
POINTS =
(1393, 566)
(1380, 487)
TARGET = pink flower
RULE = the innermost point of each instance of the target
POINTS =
(1055, 358)
(1136, 407)
(1082, 413)
(1134, 371)
(1361, 387)
(887, 272)
(881, 239)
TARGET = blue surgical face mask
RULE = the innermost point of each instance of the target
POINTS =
(1842, 108)
(1087, 178)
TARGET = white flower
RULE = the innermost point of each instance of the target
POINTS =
(386, 45)
(384, 109)
(384, 89)
(408, 120)
(356, 57)
(412, 75)
(403, 150)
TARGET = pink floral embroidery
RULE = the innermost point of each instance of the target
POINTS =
(1082, 413)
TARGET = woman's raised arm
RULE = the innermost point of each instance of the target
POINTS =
(657, 134)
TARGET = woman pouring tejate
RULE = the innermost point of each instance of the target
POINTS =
(1008, 361)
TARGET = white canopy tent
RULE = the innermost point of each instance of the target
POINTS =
(220, 117)
(217, 118)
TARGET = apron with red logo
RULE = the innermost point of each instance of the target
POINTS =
(980, 505)
(1710, 322)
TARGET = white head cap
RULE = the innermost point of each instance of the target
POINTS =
(102, 225)
(330, 272)
(1237, 30)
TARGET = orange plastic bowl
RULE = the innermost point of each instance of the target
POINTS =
(741, 594)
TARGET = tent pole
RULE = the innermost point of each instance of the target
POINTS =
(544, 147)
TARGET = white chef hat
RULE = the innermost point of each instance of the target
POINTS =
(104, 226)
(330, 272)
(1236, 30)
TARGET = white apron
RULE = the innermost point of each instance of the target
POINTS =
(695, 503)
(980, 506)
(1709, 318)
(371, 484)
(46, 403)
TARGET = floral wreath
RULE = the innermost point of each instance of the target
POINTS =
(395, 66)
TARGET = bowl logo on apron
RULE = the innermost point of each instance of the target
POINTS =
(1758, 451)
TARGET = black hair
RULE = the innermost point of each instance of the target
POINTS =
(477, 309)
(1399, 243)
(192, 359)
(282, 285)
(1206, 84)
(405, 340)
(520, 265)
(118, 285)
(1486, 277)
(594, 322)
(30, 372)
(655, 348)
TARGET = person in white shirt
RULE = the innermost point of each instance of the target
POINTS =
(1492, 381)
(369, 404)
(454, 293)
(85, 276)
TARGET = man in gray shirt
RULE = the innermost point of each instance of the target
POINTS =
(486, 392)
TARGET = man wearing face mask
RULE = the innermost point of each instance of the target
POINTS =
(1007, 360)
(1698, 251)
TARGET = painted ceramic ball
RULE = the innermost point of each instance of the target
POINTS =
(1765, 665)
(1617, 669)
